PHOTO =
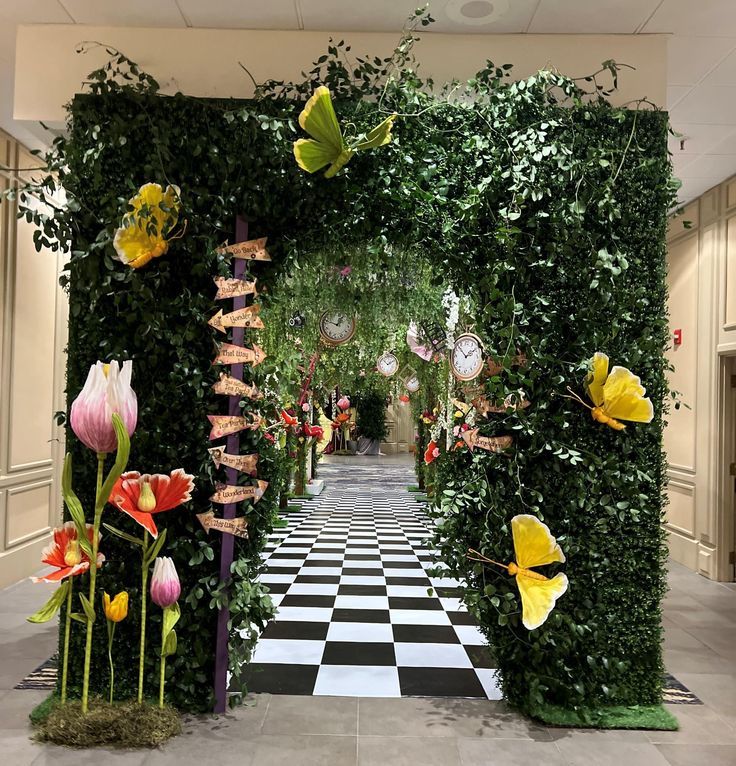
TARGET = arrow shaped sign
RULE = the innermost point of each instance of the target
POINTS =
(244, 463)
(228, 287)
(233, 493)
(237, 527)
(251, 250)
(247, 317)
(490, 443)
(231, 386)
(230, 354)
(222, 425)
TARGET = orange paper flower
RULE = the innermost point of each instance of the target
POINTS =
(343, 417)
(142, 495)
(289, 420)
(432, 452)
(66, 555)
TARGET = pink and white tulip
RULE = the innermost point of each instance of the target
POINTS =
(165, 585)
(106, 391)
(343, 403)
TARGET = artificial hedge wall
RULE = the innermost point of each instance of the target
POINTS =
(551, 219)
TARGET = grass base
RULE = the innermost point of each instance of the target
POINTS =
(413, 488)
(120, 725)
(280, 523)
(653, 717)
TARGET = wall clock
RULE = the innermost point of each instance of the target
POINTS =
(412, 384)
(466, 359)
(387, 364)
(336, 327)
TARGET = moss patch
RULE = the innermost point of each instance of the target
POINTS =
(120, 725)
(615, 717)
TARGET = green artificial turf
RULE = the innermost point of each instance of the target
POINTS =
(615, 717)
(413, 488)
(280, 523)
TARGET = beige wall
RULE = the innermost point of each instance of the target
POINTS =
(700, 440)
(32, 327)
(204, 62)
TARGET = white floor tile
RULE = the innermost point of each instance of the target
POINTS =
(404, 572)
(453, 604)
(332, 571)
(272, 578)
(274, 561)
(313, 589)
(325, 556)
(304, 614)
(289, 651)
(445, 582)
(469, 635)
(431, 656)
(389, 557)
(357, 681)
(362, 580)
(360, 631)
(361, 602)
(489, 682)
(419, 617)
(417, 591)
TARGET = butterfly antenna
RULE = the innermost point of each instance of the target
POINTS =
(476, 556)
(576, 398)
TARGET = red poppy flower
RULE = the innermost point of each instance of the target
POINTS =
(432, 452)
(315, 431)
(66, 555)
(140, 496)
(289, 420)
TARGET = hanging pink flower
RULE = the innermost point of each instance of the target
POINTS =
(165, 585)
(305, 407)
(343, 403)
(345, 272)
(106, 391)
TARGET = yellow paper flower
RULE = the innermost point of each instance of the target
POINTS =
(145, 230)
(116, 610)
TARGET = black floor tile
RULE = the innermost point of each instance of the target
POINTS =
(362, 557)
(277, 587)
(440, 682)
(362, 590)
(296, 629)
(481, 656)
(304, 600)
(462, 618)
(358, 653)
(424, 582)
(281, 570)
(320, 579)
(409, 602)
(433, 634)
(275, 678)
(361, 615)
(362, 571)
(323, 563)
(402, 565)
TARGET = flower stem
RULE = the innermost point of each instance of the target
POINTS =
(110, 637)
(162, 677)
(93, 580)
(67, 632)
(144, 586)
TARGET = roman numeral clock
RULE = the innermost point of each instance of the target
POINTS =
(466, 359)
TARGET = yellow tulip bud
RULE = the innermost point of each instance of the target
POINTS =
(146, 500)
(117, 609)
(73, 553)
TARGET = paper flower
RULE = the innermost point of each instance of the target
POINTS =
(311, 431)
(142, 495)
(165, 585)
(432, 452)
(106, 391)
(144, 231)
(404, 399)
(66, 555)
(289, 420)
(116, 610)
(345, 272)
(343, 403)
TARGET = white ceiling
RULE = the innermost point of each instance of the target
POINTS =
(702, 47)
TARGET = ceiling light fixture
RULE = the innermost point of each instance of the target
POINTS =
(474, 13)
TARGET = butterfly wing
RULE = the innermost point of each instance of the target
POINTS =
(533, 542)
(326, 143)
(379, 136)
(596, 378)
(623, 397)
(135, 247)
(538, 598)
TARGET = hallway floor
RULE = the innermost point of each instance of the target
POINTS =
(316, 726)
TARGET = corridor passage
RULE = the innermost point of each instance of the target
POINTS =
(359, 614)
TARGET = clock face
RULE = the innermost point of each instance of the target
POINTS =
(387, 364)
(467, 357)
(336, 328)
(412, 384)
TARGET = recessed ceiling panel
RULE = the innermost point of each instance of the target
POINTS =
(241, 14)
(33, 12)
(451, 16)
(689, 59)
(716, 18)
(591, 16)
(125, 13)
(714, 104)
(700, 138)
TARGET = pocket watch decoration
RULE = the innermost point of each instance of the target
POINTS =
(336, 328)
(387, 364)
(412, 385)
(466, 358)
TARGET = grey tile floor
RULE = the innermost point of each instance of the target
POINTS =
(700, 650)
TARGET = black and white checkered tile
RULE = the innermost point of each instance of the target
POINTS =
(358, 613)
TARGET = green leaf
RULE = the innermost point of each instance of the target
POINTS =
(171, 617)
(121, 461)
(123, 535)
(170, 644)
(75, 506)
(88, 610)
(52, 606)
(78, 617)
(154, 551)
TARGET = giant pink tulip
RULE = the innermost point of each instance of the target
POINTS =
(106, 391)
(165, 585)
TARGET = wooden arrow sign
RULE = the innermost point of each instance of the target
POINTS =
(231, 386)
(237, 527)
(483, 406)
(244, 463)
(247, 317)
(233, 493)
(250, 250)
(222, 425)
(490, 443)
(230, 354)
(227, 287)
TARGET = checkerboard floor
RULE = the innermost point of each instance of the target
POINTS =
(359, 614)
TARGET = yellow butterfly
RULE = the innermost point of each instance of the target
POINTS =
(534, 546)
(145, 231)
(327, 145)
(616, 396)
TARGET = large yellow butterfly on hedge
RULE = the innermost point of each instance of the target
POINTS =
(327, 145)
(616, 396)
(534, 546)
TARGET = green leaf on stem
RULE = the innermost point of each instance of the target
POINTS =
(78, 616)
(171, 617)
(88, 609)
(123, 535)
(75, 506)
(153, 552)
(121, 461)
(52, 606)
(170, 644)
